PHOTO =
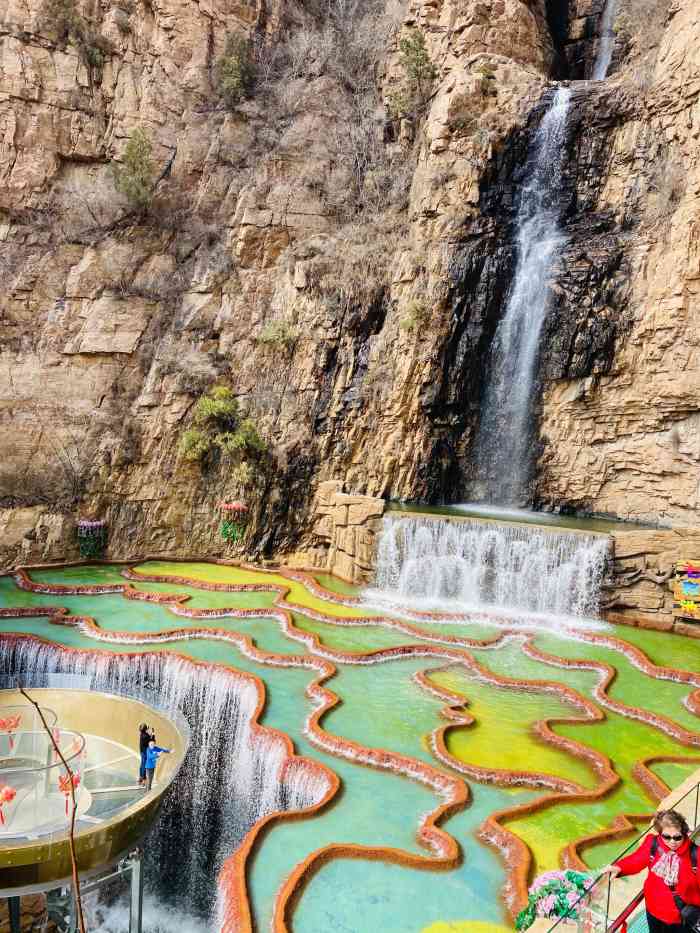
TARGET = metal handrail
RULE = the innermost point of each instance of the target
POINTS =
(620, 922)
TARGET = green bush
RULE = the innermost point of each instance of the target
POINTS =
(134, 176)
(218, 406)
(277, 332)
(61, 19)
(400, 103)
(243, 475)
(235, 70)
(218, 427)
(417, 315)
(194, 444)
(419, 73)
(248, 437)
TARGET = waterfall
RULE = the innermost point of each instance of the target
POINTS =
(231, 777)
(504, 445)
(462, 565)
(303, 787)
(606, 41)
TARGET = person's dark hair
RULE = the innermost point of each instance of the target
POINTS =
(675, 818)
(143, 727)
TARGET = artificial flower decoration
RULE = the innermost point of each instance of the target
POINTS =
(552, 895)
(233, 522)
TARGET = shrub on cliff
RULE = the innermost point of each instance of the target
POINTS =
(235, 70)
(416, 317)
(277, 333)
(415, 61)
(134, 176)
(62, 19)
(419, 73)
(218, 429)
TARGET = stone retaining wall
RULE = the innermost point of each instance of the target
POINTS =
(638, 589)
(343, 535)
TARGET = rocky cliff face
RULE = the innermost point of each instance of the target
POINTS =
(338, 260)
(620, 432)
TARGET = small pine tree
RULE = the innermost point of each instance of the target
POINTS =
(235, 70)
(415, 61)
(134, 176)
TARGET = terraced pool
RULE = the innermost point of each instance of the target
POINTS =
(396, 756)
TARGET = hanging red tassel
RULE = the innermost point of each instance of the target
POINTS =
(64, 783)
(7, 794)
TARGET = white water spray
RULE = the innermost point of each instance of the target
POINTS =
(466, 565)
(504, 445)
(231, 777)
(606, 41)
(157, 918)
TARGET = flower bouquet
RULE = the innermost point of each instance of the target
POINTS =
(553, 895)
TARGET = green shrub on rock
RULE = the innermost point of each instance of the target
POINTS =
(277, 333)
(60, 18)
(134, 176)
(410, 96)
(194, 444)
(415, 61)
(235, 70)
(416, 317)
(219, 406)
(220, 430)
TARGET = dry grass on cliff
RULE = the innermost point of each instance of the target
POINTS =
(343, 46)
(666, 184)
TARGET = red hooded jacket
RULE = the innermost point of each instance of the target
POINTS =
(657, 894)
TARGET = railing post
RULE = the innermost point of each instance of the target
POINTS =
(15, 914)
(136, 907)
(607, 905)
(695, 819)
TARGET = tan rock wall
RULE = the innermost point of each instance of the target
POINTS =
(111, 326)
(33, 535)
(638, 590)
(343, 536)
(628, 443)
(33, 915)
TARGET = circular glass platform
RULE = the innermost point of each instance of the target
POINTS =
(97, 736)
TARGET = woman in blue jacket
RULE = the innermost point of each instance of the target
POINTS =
(152, 753)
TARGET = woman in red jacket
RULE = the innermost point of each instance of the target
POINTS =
(667, 856)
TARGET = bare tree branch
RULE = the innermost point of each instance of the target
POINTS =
(71, 830)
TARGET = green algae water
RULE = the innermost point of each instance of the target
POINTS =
(384, 706)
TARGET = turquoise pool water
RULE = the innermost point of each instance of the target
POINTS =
(384, 707)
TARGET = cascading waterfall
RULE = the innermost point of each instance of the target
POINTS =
(230, 778)
(606, 42)
(504, 444)
(462, 565)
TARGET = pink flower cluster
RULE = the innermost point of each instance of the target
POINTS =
(545, 878)
(546, 905)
